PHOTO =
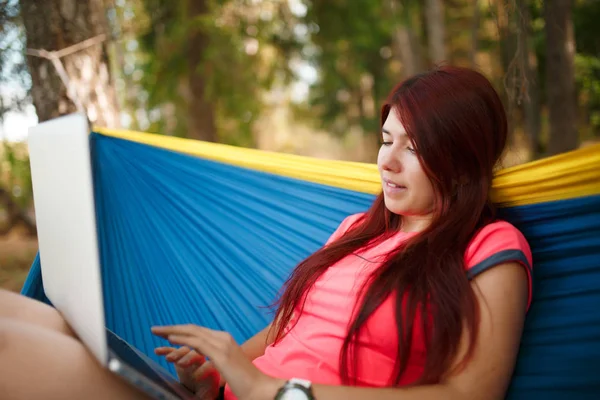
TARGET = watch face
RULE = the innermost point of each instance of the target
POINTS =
(294, 394)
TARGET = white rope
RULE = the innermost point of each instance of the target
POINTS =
(55, 56)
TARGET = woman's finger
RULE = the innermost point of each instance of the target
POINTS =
(190, 341)
(204, 371)
(213, 344)
(185, 330)
(191, 358)
(165, 331)
(163, 350)
(208, 348)
(220, 347)
(212, 337)
(176, 355)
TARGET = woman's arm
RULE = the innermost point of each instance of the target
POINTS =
(252, 348)
(502, 295)
(257, 344)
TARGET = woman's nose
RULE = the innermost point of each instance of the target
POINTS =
(390, 161)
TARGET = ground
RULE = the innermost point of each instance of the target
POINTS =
(17, 252)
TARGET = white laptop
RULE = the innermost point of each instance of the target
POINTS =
(63, 195)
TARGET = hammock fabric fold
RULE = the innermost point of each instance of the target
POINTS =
(194, 232)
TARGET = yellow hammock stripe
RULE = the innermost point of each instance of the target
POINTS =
(359, 177)
(565, 176)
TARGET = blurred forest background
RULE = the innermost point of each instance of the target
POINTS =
(298, 76)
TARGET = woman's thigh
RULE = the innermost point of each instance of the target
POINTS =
(39, 363)
(21, 308)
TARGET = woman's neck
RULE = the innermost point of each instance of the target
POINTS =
(415, 223)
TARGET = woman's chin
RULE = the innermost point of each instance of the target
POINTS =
(396, 207)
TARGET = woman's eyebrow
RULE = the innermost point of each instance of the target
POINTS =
(390, 133)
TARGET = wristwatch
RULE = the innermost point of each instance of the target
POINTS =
(296, 389)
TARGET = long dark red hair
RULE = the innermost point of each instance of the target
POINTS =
(458, 125)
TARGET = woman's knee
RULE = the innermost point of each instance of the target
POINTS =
(21, 308)
(36, 362)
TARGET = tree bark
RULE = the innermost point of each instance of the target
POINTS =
(201, 117)
(474, 34)
(405, 41)
(53, 25)
(507, 41)
(436, 31)
(531, 101)
(560, 83)
(506, 35)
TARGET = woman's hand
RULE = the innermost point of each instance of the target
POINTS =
(193, 371)
(244, 379)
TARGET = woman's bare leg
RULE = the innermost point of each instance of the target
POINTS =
(20, 308)
(40, 363)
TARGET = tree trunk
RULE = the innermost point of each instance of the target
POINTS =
(531, 102)
(506, 34)
(405, 41)
(201, 118)
(560, 84)
(474, 34)
(434, 11)
(54, 25)
(507, 41)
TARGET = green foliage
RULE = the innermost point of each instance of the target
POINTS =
(586, 15)
(588, 83)
(234, 62)
(15, 174)
(13, 69)
(255, 46)
(350, 43)
(587, 62)
(353, 41)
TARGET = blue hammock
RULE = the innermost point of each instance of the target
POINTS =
(189, 240)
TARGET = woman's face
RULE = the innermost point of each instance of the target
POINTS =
(407, 189)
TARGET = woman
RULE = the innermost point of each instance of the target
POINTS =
(422, 297)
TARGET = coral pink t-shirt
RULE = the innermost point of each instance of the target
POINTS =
(311, 349)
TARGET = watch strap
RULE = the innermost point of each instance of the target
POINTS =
(305, 386)
(306, 383)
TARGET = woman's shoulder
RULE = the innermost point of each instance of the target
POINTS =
(352, 219)
(499, 233)
(346, 224)
(495, 243)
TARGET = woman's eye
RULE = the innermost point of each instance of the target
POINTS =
(384, 143)
(412, 150)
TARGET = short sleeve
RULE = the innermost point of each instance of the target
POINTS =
(346, 224)
(498, 243)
